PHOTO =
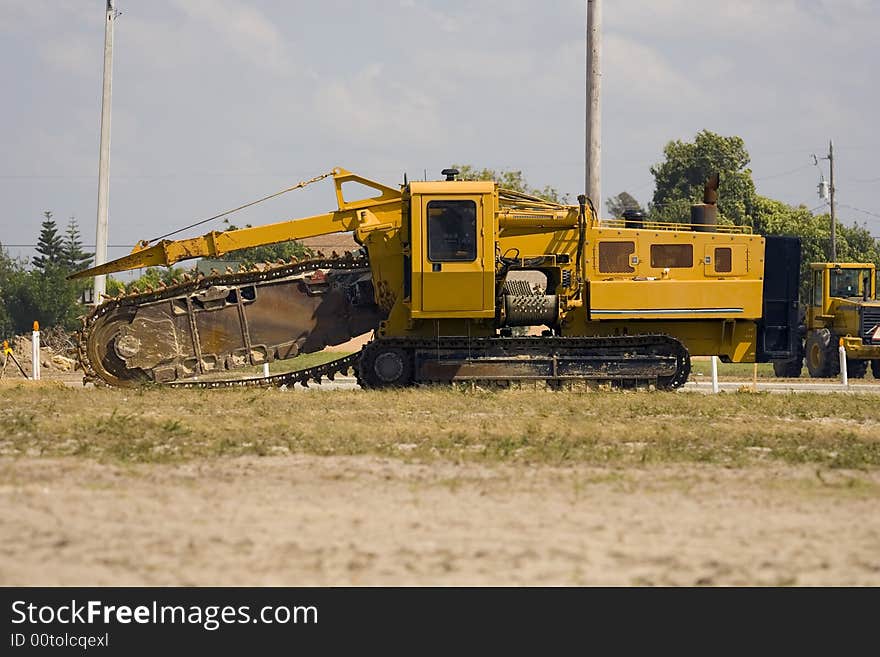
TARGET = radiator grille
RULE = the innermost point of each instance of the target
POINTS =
(870, 317)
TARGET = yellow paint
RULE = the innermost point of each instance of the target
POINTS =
(713, 311)
(842, 315)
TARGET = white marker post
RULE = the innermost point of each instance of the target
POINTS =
(265, 370)
(35, 352)
(715, 375)
(844, 379)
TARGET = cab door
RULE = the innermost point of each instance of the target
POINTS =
(452, 255)
(817, 299)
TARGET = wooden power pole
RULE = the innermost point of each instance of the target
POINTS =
(833, 222)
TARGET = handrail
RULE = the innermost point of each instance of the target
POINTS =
(677, 226)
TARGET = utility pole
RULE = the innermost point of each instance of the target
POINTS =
(833, 222)
(594, 105)
(104, 158)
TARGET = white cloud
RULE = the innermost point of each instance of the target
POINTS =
(376, 109)
(244, 28)
(204, 88)
(637, 73)
(446, 20)
(73, 54)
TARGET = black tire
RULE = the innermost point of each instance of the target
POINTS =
(788, 369)
(856, 369)
(385, 367)
(875, 368)
(821, 354)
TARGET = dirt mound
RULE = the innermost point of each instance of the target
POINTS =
(57, 353)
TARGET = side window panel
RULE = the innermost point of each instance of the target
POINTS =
(724, 260)
(614, 257)
(672, 255)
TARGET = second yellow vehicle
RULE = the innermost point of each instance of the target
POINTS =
(842, 310)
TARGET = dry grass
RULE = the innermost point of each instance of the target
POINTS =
(702, 367)
(515, 426)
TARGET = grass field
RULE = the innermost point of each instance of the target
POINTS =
(702, 368)
(516, 426)
(436, 486)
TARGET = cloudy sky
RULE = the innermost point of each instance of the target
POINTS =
(217, 102)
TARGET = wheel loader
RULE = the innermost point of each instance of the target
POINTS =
(842, 309)
(447, 275)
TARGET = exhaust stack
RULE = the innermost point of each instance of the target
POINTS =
(704, 216)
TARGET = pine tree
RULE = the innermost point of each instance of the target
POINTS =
(50, 244)
(72, 254)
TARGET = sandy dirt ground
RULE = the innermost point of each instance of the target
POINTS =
(309, 520)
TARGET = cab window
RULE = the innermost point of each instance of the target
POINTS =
(849, 282)
(817, 288)
(452, 231)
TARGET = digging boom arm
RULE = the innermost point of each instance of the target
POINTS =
(351, 216)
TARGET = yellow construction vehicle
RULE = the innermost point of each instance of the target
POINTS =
(446, 270)
(842, 309)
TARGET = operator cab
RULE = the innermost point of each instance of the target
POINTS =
(452, 238)
(850, 282)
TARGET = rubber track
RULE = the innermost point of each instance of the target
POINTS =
(545, 344)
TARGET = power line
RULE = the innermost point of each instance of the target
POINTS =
(152, 176)
(299, 185)
(85, 246)
(784, 173)
(873, 214)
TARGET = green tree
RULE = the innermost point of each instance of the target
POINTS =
(114, 287)
(72, 255)
(43, 293)
(268, 253)
(11, 274)
(155, 277)
(50, 244)
(45, 296)
(5, 322)
(512, 180)
(680, 178)
(854, 243)
(619, 204)
(151, 278)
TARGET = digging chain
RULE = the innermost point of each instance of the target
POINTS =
(193, 283)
